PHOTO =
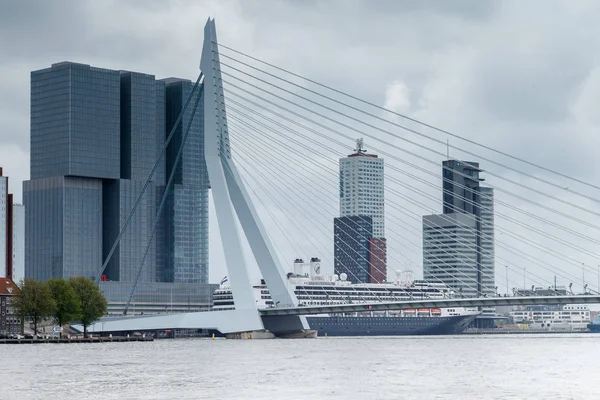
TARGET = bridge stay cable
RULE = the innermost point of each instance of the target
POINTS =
(467, 189)
(255, 150)
(572, 232)
(272, 140)
(404, 116)
(569, 244)
(412, 165)
(429, 149)
(389, 144)
(282, 166)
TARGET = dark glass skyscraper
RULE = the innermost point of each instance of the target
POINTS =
(461, 186)
(75, 145)
(352, 241)
(187, 214)
(458, 245)
(95, 136)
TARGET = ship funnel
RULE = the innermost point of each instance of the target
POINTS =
(315, 266)
(299, 268)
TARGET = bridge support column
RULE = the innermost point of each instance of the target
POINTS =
(288, 326)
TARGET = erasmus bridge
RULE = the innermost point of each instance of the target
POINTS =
(272, 140)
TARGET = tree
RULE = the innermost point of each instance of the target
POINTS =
(34, 301)
(93, 303)
(68, 305)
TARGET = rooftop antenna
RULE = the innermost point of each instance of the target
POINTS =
(359, 146)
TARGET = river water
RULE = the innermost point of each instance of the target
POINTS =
(441, 367)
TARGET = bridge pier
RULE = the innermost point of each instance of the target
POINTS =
(263, 334)
(288, 326)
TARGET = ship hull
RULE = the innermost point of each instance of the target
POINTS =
(594, 328)
(389, 326)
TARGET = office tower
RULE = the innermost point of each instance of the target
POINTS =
(18, 243)
(362, 194)
(187, 217)
(6, 229)
(461, 186)
(352, 239)
(141, 133)
(488, 259)
(458, 245)
(449, 252)
(75, 146)
(95, 136)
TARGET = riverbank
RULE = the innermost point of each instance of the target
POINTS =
(80, 340)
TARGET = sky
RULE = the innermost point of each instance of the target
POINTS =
(520, 77)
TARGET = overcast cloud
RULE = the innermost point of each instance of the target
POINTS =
(523, 77)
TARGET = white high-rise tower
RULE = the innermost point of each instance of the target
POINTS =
(359, 233)
(361, 187)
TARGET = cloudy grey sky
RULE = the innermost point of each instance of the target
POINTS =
(523, 77)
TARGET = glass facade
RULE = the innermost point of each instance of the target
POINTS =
(462, 254)
(352, 240)
(488, 259)
(449, 252)
(75, 122)
(187, 219)
(63, 227)
(95, 137)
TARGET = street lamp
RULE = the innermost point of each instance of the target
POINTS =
(583, 276)
(506, 280)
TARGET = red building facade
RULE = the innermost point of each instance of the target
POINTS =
(377, 260)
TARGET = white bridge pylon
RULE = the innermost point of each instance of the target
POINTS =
(229, 195)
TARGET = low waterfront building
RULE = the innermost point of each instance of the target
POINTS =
(10, 323)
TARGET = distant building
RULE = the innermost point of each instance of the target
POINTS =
(488, 253)
(18, 252)
(361, 195)
(362, 187)
(461, 186)
(9, 322)
(351, 247)
(357, 254)
(6, 229)
(95, 136)
(458, 245)
(449, 254)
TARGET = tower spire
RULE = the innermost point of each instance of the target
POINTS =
(360, 146)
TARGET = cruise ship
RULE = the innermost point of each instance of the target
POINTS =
(312, 287)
